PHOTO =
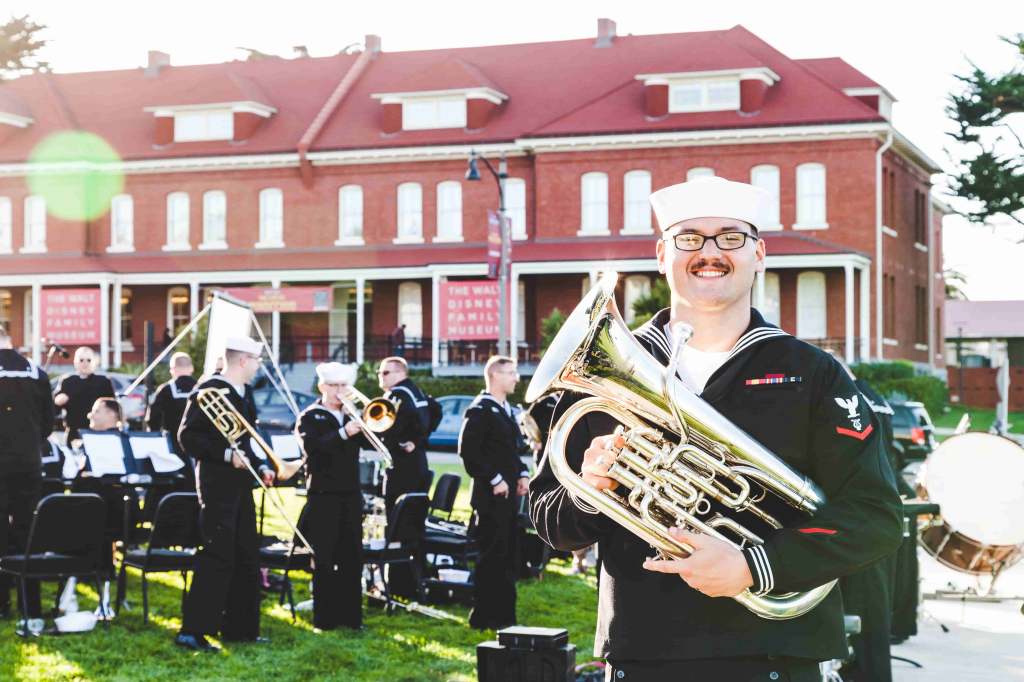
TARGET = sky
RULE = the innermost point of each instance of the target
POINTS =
(913, 48)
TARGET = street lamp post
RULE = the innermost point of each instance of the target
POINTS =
(473, 175)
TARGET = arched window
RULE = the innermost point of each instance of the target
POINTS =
(449, 211)
(594, 203)
(810, 196)
(215, 220)
(350, 215)
(178, 313)
(122, 217)
(772, 310)
(811, 314)
(699, 172)
(635, 288)
(636, 217)
(410, 308)
(271, 218)
(767, 178)
(410, 212)
(177, 222)
(515, 206)
(35, 225)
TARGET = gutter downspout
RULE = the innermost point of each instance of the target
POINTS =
(879, 236)
(931, 281)
(369, 53)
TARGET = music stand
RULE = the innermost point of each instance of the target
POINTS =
(286, 446)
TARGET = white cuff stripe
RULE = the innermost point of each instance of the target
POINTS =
(343, 434)
(761, 579)
(763, 559)
(496, 480)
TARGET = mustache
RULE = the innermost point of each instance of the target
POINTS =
(703, 262)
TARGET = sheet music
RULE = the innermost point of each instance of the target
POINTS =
(72, 462)
(157, 451)
(286, 446)
(105, 453)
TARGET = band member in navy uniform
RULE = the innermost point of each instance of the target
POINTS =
(490, 445)
(225, 595)
(168, 407)
(333, 517)
(661, 619)
(406, 440)
(77, 392)
(26, 420)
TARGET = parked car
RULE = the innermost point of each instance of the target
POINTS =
(272, 409)
(446, 436)
(913, 432)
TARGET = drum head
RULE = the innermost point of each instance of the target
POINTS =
(978, 481)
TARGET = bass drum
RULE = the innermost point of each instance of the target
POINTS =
(977, 479)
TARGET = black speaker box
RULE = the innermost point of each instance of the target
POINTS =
(498, 663)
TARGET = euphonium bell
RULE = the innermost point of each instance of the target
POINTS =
(683, 464)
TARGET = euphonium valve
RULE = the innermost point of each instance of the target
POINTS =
(681, 463)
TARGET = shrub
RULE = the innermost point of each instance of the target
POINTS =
(549, 326)
(897, 381)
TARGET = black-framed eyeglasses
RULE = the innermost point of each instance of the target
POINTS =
(726, 241)
(383, 372)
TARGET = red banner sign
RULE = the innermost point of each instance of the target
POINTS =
(71, 316)
(496, 224)
(469, 310)
(285, 299)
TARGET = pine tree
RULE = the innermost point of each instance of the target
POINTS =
(991, 173)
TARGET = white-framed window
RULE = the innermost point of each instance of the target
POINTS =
(708, 95)
(449, 211)
(766, 177)
(6, 226)
(122, 219)
(438, 112)
(178, 309)
(521, 311)
(195, 126)
(215, 220)
(28, 332)
(811, 311)
(410, 213)
(772, 309)
(410, 308)
(126, 319)
(810, 197)
(271, 219)
(635, 288)
(699, 172)
(6, 301)
(177, 222)
(515, 206)
(350, 215)
(594, 204)
(636, 209)
(35, 225)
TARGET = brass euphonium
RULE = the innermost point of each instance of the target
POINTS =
(682, 464)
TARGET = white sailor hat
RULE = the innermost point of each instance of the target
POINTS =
(243, 344)
(711, 197)
(336, 373)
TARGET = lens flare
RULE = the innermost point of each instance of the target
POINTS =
(77, 174)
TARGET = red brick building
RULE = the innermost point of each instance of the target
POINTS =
(347, 173)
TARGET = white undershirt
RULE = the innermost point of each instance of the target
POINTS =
(696, 366)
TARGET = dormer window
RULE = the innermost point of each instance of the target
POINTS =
(442, 112)
(195, 126)
(709, 95)
(741, 90)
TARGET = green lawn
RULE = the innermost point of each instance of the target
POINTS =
(981, 419)
(398, 647)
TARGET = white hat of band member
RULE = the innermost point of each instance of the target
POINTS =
(336, 373)
(711, 197)
(244, 344)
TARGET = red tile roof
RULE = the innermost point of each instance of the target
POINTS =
(837, 72)
(789, 244)
(554, 88)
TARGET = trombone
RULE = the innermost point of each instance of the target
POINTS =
(377, 416)
(233, 426)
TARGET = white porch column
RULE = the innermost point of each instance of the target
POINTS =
(104, 323)
(115, 324)
(759, 292)
(193, 304)
(37, 324)
(360, 317)
(275, 327)
(513, 314)
(594, 276)
(435, 322)
(865, 313)
(848, 281)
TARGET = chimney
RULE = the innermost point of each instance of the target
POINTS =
(300, 51)
(605, 33)
(157, 61)
(371, 44)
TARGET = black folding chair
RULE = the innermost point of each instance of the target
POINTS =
(64, 540)
(442, 502)
(172, 546)
(403, 542)
(287, 557)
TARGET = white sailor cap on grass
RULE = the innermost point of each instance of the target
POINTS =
(336, 373)
(712, 197)
(243, 344)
